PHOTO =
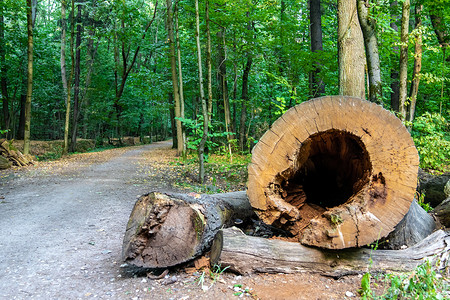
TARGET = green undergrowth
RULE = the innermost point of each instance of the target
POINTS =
(431, 135)
(422, 283)
(224, 172)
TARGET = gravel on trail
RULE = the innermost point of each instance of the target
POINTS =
(61, 231)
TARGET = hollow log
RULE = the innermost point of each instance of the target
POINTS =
(168, 229)
(335, 171)
(247, 254)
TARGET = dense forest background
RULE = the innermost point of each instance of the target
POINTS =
(109, 69)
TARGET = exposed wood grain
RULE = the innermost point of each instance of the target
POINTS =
(353, 159)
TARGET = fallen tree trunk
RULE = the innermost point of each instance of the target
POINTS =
(168, 229)
(413, 228)
(337, 172)
(246, 254)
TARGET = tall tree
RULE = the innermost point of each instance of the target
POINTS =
(31, 13)
(173, 69)
(403, 75)
(201, 146)
(417, 63)
(351, 51)
(77, 75)
(368, 23)
(180, 78)
(222, 80)
(317, 86)
(67, 83)
(125, 58)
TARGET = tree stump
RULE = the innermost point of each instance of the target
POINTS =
(336, 172)
(169, 229)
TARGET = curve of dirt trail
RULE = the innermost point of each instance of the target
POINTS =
(61, 230)
(62, 225)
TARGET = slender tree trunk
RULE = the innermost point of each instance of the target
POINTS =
(404, 59)
(208, 59)
(317, 87)
(76, 92)
(27, 129)
(3, 70)
(173, 69)
(417, 63)
(172, 122)
(394, 71)
(67, 84)
(351, 51)
(201, 147)
(368, 24)
(243, 120)
(180, 80)
(222, 80)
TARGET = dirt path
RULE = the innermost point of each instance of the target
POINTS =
(61, 229)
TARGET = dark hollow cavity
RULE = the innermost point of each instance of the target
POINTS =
(331, 166)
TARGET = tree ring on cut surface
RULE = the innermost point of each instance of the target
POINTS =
(336, 172)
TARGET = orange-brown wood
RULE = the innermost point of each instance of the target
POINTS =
(335, 171)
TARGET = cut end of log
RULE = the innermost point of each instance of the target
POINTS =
(161, 232)
(336, 172)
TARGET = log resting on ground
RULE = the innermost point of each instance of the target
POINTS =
(336, 171)
(169, 229)
(247, 254)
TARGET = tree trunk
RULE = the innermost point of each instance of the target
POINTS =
(27, 129)
(180, 81)
(412, 229)
(76, 91)
(394, 71)
(201, 146)
(317, 86)
(336, 172)
(417, 64)
(243, 120)
(350, 50)
(173, 69)
(67, 84)
(368, 25)
(403, 77)
(208, 59)
(168, 229)
(172, 122)
(223, 82)
(247, 254)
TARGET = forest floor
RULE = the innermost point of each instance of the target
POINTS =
(62, 224)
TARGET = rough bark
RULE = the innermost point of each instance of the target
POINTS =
(173, 69)
(368, 25)
(315, 18)
(415, 226)
(246, 254)
(433, 187)
(27, 129)
(403, 75)
(350, 50)
(336, 172)
(168, 229)
(417, 64)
